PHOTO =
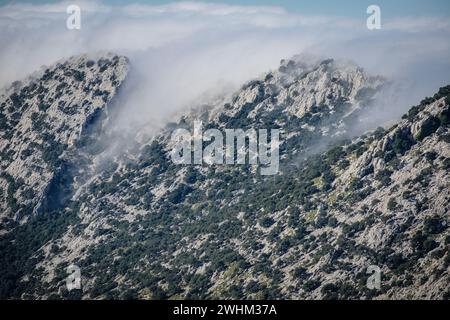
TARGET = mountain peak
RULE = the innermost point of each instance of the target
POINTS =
(44, 116)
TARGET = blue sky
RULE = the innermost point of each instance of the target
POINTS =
(350, 8)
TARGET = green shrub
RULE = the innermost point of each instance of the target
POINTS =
(311, 285)
(433, 225)
(384, 176)
(429, 126)
(266, 222)
(392, 204)
(444, 117)
(402, 142)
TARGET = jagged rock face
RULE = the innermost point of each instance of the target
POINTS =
(144, 227)
(45, 116)
(308, 93)
(393, 203)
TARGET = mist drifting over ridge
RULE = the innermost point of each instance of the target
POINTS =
(204, 150)
(182, 51)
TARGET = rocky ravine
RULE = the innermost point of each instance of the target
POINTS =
(143, 227)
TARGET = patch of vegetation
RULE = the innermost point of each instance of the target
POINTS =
(428, 127)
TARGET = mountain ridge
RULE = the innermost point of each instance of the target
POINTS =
(143, 227)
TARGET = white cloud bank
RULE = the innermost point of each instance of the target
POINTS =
(181, 50)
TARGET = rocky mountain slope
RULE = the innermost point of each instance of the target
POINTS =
(143, 227)
(41, 120)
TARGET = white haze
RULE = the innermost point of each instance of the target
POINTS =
(181, 52)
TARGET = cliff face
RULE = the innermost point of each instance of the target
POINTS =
(143, 227)
(42, 119)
